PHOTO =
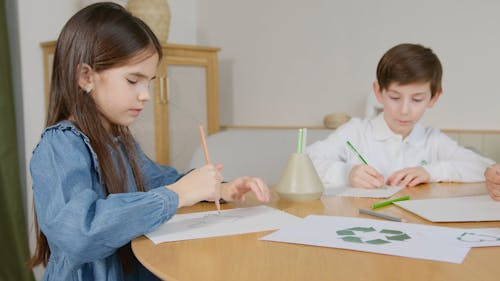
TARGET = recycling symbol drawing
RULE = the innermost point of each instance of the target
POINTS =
(370, 235)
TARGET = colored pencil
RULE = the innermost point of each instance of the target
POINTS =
(207, 158)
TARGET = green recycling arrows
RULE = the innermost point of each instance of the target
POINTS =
(387, 235)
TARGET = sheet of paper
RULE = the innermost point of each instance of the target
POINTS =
(383, 192)
(228, 222)
(454, 209)
(376, 236)
(480, 237)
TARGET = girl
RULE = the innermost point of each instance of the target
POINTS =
(94, 189)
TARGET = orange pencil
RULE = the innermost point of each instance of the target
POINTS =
(207, 159)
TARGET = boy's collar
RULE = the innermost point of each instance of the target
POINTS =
(381, 130)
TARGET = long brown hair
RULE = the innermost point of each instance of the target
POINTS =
(103, 36)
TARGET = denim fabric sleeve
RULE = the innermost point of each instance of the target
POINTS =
(72, 209)
(156, 175)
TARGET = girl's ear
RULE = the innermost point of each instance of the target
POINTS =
(377, 91)
(85, 77)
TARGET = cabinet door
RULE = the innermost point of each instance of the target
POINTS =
(167, 129)
(185, 96)
(186, 111)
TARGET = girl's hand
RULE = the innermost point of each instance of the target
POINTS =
(200, 184)
(492, 177)
(235, 190)
(365, 176)
(409, 177)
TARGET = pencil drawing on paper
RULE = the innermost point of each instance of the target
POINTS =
(210, 219)
(370, 235)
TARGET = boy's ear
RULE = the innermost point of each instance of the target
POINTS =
(85, 76)
(435, 98)
(377, 91)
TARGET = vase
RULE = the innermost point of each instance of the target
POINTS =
(155, 13)
(300, 181)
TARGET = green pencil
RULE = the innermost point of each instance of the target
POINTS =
(356, 152)
(389, 202)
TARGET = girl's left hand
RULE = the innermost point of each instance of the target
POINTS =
(235, 190)
(409, 177)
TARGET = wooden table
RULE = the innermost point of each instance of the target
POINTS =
(244, 257)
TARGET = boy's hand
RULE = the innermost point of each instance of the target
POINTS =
(365, 176)
(409, 177)
(492, 177)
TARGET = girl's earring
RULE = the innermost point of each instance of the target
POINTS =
(88, 89)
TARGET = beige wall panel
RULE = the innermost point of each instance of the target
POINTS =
(491, 146)
(472, 141)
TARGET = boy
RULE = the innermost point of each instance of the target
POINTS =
(398, 150)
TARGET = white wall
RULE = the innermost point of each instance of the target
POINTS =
(183, 21)
(290, 62)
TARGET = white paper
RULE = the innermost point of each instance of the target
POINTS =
(383, 192)
(384, 237)
(454, 209)
(228, 222)
(480, 237)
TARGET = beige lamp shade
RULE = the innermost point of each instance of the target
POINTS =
(300, 181)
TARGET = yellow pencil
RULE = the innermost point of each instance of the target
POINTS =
(207, 159)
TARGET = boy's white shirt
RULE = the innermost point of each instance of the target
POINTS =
(387, 152)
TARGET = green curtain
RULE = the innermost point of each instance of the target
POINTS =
(14, 250)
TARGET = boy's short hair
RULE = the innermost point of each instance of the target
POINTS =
(409, 63)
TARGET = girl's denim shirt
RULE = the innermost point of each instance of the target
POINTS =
(84, 226)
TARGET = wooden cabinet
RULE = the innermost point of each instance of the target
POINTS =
(185, 72)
